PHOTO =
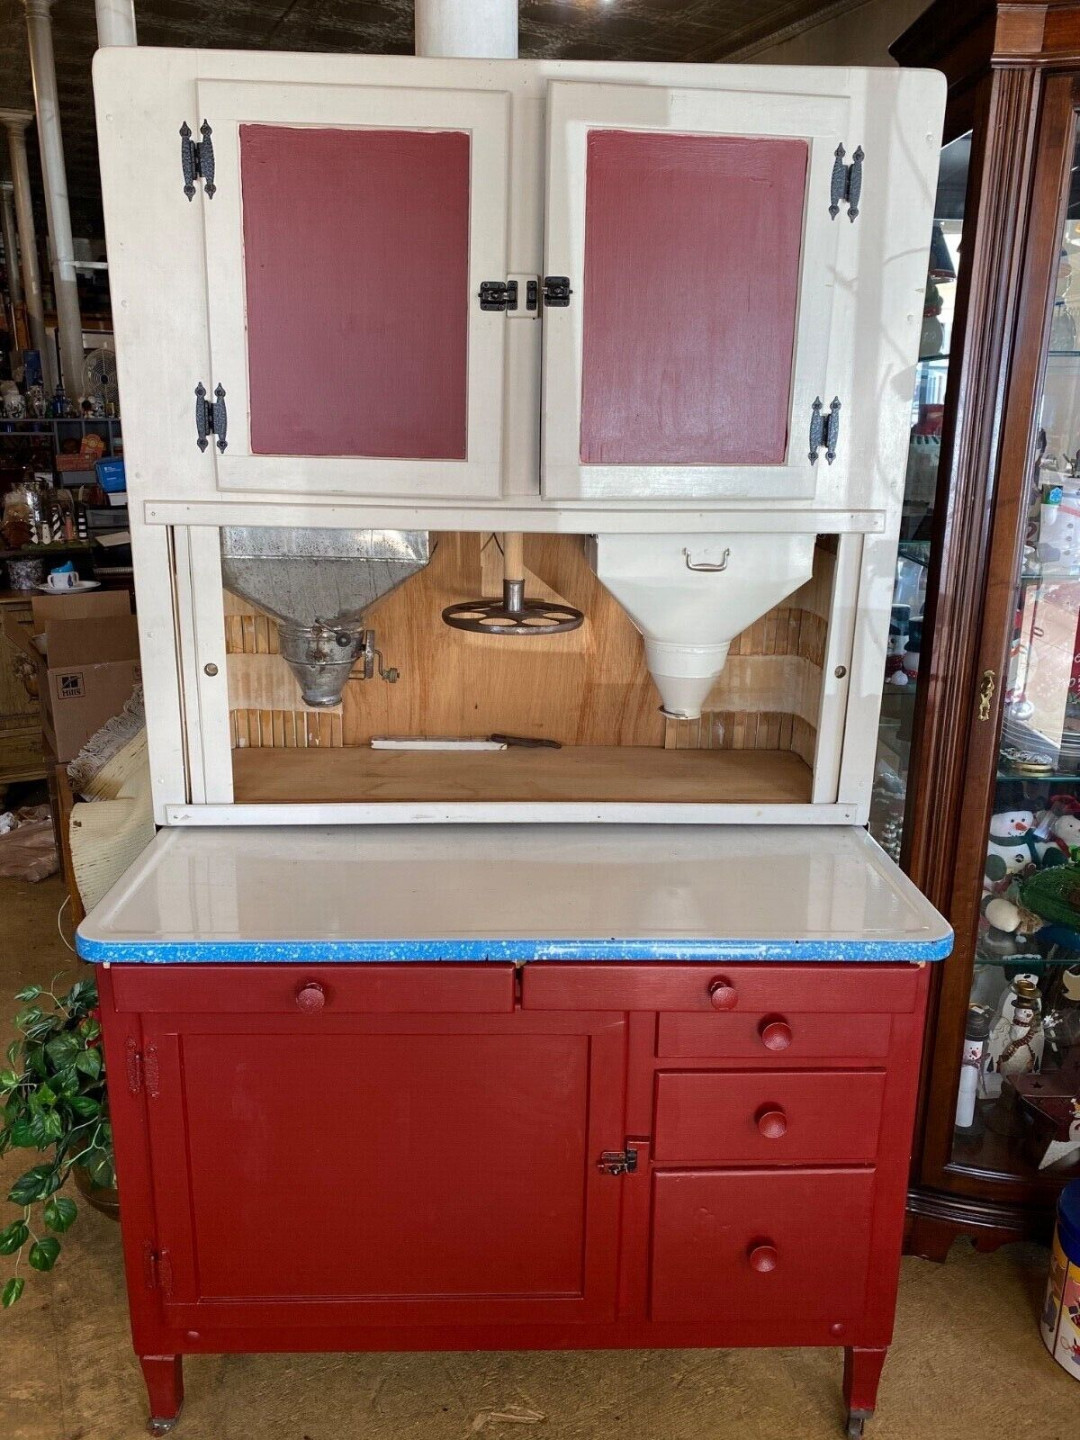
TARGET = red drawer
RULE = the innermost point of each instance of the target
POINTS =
(782, 1248)
(314, 989)
(833, 989)
(746, 1035)
(787, 1117)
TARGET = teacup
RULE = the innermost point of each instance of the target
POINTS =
(62, 580)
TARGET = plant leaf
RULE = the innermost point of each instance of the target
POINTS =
(89, 1062)
(60, 1213)
(37, 1184)
(13, 1237)
(8, 1080)
(28, 992)
(11, 1291)
(85, 1105)
(44, 1253)
(62, 1049)
(99, 1167)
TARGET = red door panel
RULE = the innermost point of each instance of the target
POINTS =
(710, 1231)
(760, 1118)
(375, 1169)
(357, 274)
(692, 246)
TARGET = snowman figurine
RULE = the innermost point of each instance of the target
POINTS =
(1016, 1040)
(1065, 834)
(1012, 848)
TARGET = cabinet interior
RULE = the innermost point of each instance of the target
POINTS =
(589, 690)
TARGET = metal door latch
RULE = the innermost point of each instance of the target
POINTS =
(618, 1162)
(498, 294)
(557, 291)
(846, 184)
(197, 160)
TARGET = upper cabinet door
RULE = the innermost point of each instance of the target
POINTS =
(345, 247)
(705, 331)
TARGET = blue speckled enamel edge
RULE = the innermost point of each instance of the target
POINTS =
(330, 952)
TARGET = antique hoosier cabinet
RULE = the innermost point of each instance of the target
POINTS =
(471, 403)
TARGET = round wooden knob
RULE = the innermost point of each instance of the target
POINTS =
(772, 1123)
(310, 997)
(722, 994)
(764, 1258)
(775, 1034)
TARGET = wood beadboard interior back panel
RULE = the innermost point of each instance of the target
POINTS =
(588, 687)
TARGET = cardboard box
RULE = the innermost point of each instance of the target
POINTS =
(86, 649)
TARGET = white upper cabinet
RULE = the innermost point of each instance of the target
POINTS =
(705, 332)
(719, 276)
(350, 230)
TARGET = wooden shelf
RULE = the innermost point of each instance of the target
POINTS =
(612, 773)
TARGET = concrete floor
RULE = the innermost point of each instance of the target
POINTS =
(967, 1361)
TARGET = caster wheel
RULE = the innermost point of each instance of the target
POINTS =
(855, 1425)
(157, 1426)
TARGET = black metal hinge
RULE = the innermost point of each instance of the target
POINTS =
(824, 430)
(846, 186)
(618, 1162)
(557, 291)
(498, 295)
(197, 159)
(211, 417)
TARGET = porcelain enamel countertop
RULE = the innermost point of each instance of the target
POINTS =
(585, 892)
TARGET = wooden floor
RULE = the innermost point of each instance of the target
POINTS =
(582, 773)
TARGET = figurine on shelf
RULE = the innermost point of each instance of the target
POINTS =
(1016, 1040)
(35, 402)
(933, 332)
(13, 402)
(1011, 848)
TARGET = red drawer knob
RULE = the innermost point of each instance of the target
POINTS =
(310, 997)
(775, 1034)
(772, 1123)
(764, 1258)
(722, 994)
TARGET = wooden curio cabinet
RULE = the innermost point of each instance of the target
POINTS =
(978, 776)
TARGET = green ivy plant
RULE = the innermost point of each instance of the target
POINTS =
(54, 1101)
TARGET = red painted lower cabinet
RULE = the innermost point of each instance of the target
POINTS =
(454, 1156)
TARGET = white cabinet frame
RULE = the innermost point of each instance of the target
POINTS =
(825, 316)
(486, 117)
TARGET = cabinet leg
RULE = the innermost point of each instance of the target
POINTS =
(862, 1371)
(164, 1376)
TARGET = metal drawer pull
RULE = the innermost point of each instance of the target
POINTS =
(704, 564)
(310, 997)
(772, 1123)
(775, 1034)
(722, 994)
(763, 1258)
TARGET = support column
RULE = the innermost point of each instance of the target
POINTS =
(478, 29)
(115, 22)
(11, 261)
(15, 122)
(54, 173)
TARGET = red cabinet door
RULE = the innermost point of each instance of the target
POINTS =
(385, 1169)
(771, 1251)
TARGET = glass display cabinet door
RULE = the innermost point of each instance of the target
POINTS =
(346, 332)
(1018, 1100)
(891, 798)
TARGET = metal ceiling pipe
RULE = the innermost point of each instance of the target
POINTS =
(115, 22)
(54, 173)
(15, 122)
(468, 29)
